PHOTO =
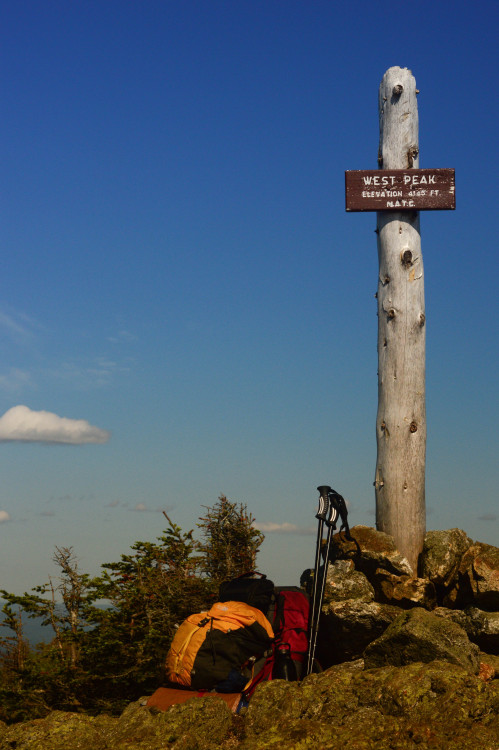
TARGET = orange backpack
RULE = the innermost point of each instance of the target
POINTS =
(209, 645)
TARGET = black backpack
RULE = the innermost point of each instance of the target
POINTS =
(251, 588)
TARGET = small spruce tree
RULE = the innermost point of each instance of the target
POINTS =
(230, 540)
(112, 632)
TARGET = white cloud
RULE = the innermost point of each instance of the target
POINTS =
(97, 372)
(22, 424)
(123, 337)
(20, 328)
(15, 328)
(4, 516)
(283, 528)
(143, 508)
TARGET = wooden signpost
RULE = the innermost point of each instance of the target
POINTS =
(398, 190)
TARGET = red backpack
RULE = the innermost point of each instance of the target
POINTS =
(289, 617)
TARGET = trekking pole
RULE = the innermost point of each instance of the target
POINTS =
(321, 515)
(331, 513)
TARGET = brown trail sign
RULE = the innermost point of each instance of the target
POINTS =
(398, 191)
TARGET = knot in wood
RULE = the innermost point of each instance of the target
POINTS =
(422, 319)
(412, 155)
(397, 89)
(391, 313)
(413, 427)
(407, 258)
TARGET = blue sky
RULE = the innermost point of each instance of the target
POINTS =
(179, 274)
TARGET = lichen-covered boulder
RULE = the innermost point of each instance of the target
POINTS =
(370, 550)
(60, 730)
(442, 555)
(479, 577)
(481, 627)
(491, 660)
(433, 705)
(197, 724)
(348, 626)
(344, 582)
(420, 706)
(405, 591)
(418, 635)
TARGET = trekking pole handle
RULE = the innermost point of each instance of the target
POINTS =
(333, 511)
(323, 509)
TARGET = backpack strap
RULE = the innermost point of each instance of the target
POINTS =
(263, 674)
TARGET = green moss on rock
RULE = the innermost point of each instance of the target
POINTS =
(420, 705)
(418, 635)
(60, 730)
(199, 724)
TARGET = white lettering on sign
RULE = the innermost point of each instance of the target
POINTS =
(423, 192)
(379, 180)
(415, 179)
(382, 193)
(400, 204)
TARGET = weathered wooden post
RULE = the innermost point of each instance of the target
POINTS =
(401, 419)
(397, 191)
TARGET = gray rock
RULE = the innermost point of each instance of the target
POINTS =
(442, 555)
(479, 574)
(347, 627)
(481, 627)
(435, 705)
(370, 550)
(405, 591)
(344, 582)
(418, 635)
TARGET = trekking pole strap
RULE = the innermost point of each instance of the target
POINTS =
(339, 502)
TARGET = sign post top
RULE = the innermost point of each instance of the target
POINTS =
(400, 190)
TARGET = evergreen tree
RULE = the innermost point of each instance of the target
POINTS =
(230, 540)
(111, 633)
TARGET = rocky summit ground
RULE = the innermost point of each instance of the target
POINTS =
(432, 705)
(413, 662)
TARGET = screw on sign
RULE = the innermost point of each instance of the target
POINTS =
(397, 191)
